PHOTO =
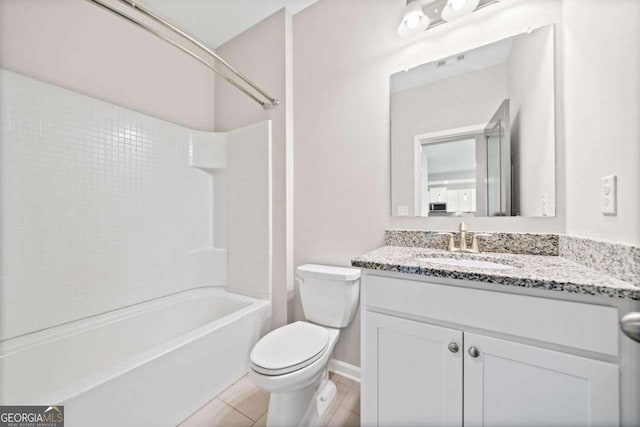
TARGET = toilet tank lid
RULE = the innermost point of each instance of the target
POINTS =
(328, 272)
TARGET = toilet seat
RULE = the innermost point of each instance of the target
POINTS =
(289, 348)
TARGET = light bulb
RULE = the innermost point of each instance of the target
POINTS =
(412, 21)
(457, 4)
(456, 9)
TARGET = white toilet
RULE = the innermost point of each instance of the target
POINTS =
(291, 362)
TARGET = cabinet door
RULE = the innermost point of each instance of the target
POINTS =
(464, 197)
(453, 201)
(409, 376)
(438, 194)
(510, 384)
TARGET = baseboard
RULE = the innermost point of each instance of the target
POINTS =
(345, 369)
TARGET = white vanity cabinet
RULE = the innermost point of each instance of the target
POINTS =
(416, 379)
(508, 383)
(449, 355)
(438, 195)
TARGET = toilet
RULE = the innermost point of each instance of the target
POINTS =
(292, 362)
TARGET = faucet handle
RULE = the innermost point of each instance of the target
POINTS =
(475, 247)
(452, 243)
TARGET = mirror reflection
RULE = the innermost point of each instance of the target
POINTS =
(495, 155)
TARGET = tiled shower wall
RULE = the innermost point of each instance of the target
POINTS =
(100, 207)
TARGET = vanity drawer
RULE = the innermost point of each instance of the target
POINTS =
(571, 324)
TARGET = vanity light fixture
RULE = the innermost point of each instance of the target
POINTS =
(421, 15)
(414, 21)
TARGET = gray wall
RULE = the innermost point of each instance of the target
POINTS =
(79, 46)
(602, 107)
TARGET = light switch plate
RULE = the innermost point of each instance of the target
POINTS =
(608, 195)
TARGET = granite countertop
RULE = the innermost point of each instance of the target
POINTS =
(553, 273)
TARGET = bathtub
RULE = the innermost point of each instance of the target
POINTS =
(151, 364)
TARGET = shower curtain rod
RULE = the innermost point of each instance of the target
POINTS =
(271, 102)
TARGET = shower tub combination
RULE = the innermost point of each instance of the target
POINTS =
(151, 364)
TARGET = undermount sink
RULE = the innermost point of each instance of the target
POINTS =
(471, 263)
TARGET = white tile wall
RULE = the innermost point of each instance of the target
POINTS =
(249, 210)
(99, 207)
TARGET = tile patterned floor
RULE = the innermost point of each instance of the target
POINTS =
(245, 405)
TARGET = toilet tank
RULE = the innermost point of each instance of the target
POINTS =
(329, 294)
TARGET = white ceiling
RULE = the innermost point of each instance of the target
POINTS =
(217, 21)
(448, 157)
(482, 57)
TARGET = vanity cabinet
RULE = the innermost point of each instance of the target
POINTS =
(438, 195)
(414, 378)
(435, 354)
(507, 383)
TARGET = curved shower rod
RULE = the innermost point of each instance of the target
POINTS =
(271, 102)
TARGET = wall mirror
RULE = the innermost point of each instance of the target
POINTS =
(474, 134)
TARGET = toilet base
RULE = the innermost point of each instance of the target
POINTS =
(304, 406)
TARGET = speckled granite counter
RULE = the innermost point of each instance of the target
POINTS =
(529, 271)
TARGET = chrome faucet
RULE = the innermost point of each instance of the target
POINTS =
(475, 247)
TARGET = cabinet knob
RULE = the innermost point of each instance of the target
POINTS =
(473, 352)
(630, 325)
(453, 347)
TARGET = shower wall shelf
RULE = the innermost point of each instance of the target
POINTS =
(208, 150)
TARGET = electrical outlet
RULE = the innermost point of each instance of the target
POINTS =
(608, 196)
(403, 210)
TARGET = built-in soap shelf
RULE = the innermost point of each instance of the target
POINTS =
(207, 150)
(208, 266)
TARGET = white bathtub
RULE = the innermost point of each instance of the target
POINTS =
(152, 364)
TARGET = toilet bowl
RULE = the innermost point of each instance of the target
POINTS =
(294, 387)
(292, 362)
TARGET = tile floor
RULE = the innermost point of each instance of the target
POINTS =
(245, 405)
